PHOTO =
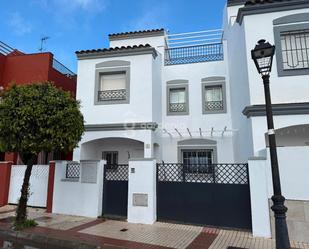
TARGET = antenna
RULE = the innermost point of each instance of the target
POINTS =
(43, 40)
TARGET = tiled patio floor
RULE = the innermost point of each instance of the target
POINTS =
(137, 236)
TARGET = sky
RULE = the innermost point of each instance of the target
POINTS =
(73, 25)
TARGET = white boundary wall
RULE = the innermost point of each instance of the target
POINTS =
(142, 194)
(38, 184)
(81, 196)
(294, 173)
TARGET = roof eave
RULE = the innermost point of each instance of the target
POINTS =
(270, 7)
(117, 53)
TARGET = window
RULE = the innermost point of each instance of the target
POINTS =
(213, 95)
(112, 84)
(177, 98)
(213, 98)
(197, 157)
(295, 49)
(111, 157)
(292, 44)
(198, 161)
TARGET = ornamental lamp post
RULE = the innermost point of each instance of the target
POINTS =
(262, 56)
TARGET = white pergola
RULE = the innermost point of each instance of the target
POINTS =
(198, 133)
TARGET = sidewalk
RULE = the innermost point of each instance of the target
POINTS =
(65, 230)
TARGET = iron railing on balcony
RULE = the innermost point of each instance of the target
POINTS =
(193, 47)
(194, 54)
(110, 95)
(62, 68)
(177, 107)
(214, 105)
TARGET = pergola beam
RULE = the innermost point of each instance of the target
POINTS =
(189, 132)
(178, 132)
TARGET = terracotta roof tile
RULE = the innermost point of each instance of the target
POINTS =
(137, 32)
(113, 49)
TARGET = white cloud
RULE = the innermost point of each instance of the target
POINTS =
(19, 25)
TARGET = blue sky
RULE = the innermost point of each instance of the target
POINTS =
(84, 24)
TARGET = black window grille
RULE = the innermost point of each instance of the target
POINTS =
(73, 170)
(295, 49)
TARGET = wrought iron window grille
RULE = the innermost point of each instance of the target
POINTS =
(295, 49)
(111, 95)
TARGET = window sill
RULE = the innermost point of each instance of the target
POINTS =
(70, 180)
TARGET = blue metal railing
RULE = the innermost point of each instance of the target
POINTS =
(194, 54)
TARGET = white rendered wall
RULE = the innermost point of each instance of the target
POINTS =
(142, 180)
(155, 41)
(259, 127)
(288, 89)
(259, 198)
(140, 107)
(144, 136)
(85, 198)
(294, 172)
(38, 184)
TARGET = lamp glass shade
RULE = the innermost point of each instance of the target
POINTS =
(263, 55)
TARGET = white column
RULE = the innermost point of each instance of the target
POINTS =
(76, 154)
(142, 197)
(259, 197)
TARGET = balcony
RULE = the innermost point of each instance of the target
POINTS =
(194, 47)
(112, 95)
(63, 69)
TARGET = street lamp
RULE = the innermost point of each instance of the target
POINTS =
(262, 56)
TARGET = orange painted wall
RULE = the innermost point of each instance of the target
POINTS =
(2, 64)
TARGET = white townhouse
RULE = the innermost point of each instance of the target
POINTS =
(194, 104)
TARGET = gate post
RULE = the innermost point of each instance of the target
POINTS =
(259, 197)
(142, 192)
(5, 177)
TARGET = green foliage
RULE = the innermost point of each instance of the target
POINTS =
(27, 224)
(39, 117)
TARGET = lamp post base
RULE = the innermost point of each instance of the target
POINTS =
(282, 235)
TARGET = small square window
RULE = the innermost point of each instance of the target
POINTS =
(177, 100)
(112, 86)
(213, 97)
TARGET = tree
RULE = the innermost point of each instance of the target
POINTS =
(34, 118)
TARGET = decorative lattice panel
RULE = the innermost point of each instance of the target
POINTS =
(109, 95)
(214, 105)
(73, 170)
(178, 107)
(117, 172)
(203, 173)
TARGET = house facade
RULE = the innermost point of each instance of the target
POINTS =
(195, 99)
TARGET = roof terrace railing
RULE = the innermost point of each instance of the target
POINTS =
(5, 49)
(193, 47)
(62, 68)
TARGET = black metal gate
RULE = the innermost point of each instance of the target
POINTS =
(115, 190)
(215, 195)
